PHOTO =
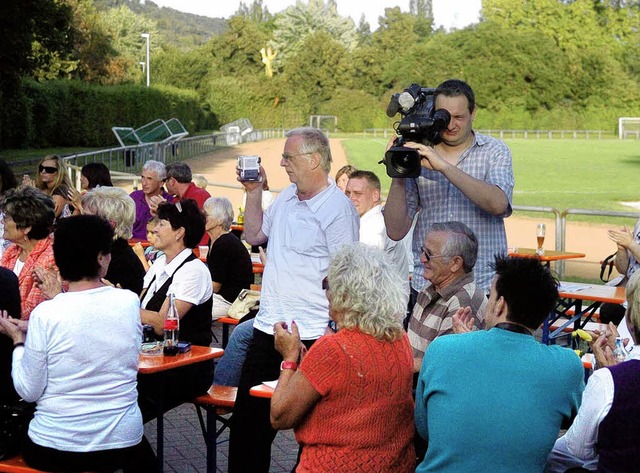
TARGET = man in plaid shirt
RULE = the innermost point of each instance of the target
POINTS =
(448, 256)
(468, 177)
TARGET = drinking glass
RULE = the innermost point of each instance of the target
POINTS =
(540, 233)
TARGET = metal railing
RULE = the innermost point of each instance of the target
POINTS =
(125, 163)
(513, 134)
(561, 224)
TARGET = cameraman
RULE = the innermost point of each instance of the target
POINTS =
(467, 177)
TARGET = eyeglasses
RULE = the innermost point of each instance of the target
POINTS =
(325, 284)
(428, 255)
(287, 157)
(47, 169)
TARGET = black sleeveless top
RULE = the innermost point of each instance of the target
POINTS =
(195, 325)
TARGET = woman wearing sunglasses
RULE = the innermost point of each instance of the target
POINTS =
(53, 180)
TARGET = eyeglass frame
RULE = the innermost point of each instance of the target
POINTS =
(424, 251)
(291, 156)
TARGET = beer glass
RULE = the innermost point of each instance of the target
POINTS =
(540, 233)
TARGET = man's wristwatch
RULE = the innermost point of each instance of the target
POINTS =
(288, 365)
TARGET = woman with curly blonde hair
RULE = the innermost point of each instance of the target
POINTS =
(350, 401)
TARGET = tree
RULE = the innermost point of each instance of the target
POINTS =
(423, 11)
(237, 50)
(318, 68)
(255, 12)
(294, 24)
(124, 28)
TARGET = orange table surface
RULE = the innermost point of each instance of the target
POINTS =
(262, 391)
(549, 255)
(593, 292)
(149, 364)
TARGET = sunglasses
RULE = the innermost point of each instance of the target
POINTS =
(47, 169)
(325, 284)
(429, 256)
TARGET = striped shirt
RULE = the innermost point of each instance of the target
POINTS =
(437, 200)
(431, 316)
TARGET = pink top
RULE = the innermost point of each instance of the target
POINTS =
(41, 255)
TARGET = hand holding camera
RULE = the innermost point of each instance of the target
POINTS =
(250, 173)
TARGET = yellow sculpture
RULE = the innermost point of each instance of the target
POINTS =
(267, 58)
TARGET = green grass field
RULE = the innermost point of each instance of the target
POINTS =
(582, 174)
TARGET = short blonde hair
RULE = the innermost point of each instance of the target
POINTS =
(200, 181)
(113, 204)
(366, 290)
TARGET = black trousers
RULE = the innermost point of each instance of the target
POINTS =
(137, 459)
(251, 434)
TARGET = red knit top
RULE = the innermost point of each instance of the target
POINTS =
(364, 421)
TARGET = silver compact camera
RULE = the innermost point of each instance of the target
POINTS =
(249, 167)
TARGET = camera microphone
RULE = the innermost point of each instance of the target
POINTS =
(394, 106)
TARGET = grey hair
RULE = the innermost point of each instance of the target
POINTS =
(632, 316)
(314, 141)
(157, 167)
(461, 241)
(366, 290)
(180, 171)
(113, 204)
(220, 210)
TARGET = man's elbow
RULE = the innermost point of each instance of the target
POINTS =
(396, 234)
(499, 206)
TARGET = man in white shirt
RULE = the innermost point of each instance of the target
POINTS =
(310, 220)
(363, 189)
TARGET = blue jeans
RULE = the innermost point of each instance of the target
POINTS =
(229, 367)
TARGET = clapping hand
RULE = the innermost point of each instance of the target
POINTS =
(287, 343)
(463, 322)
(154, 202)
(13, 328)
(27, 181)
(623, 237)
(48, 280)
(75, 198)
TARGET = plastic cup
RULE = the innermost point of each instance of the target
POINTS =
(204, 251)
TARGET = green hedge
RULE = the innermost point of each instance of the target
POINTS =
(73, 113)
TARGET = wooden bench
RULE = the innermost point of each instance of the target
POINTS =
(16, 465)
(217, 402)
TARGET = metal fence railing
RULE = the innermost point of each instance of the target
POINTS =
(561, 223)
(125, 163)
(523, 134)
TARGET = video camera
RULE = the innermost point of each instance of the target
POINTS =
(420, 123)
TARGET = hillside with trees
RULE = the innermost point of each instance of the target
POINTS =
(532, 64)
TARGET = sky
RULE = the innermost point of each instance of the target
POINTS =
(447, 13)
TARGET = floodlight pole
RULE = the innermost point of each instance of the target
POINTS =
(146, 36)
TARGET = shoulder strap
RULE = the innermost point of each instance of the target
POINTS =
(608, 262)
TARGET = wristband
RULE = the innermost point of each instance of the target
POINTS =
(288, 365)
(16, 345)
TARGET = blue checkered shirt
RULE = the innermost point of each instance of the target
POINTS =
(437, 200)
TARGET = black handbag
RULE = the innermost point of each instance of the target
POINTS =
(607, 263)
(14, 423)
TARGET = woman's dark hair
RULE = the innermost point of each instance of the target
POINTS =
(77, 243)
(8, 179)
(97, 174)
(30, 207)
(187, 215)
